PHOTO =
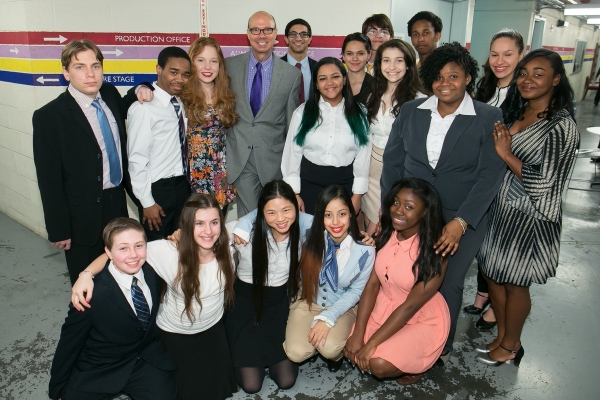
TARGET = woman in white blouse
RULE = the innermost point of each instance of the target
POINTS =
(328, 139)
(395, 81)
(199, 275)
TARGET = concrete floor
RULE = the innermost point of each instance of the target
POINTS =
(560, 336)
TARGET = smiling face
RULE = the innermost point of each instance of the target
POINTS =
(503, 59)
(280, 214)
(263, 43)
(356, 56)
(207, 65)
(393, 66)
(128, 252)
(450, 86)
(406, 211)
(377, 36)
(424, 37)
(173, 77)
(296, 43)
(207, 227)
(536, 80)
(330, 83)
(337, 220)
(85, 73)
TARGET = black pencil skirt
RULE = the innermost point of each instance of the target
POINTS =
(314, 178)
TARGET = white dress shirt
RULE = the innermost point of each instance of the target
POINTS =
(153, 143)
(278, 270)
(382, 125)
(332, 143)
(124, 281)
(438, 129)
(499, 97)
(305, 70)
(163, 256)
(85, 102)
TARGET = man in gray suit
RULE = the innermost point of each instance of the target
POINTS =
(267, 91)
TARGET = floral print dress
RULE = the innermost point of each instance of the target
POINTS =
(206, 144)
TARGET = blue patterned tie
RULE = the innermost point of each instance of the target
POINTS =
(255, 91)
(182, 139)
(329, 272)
(114, 165)
(139, 302)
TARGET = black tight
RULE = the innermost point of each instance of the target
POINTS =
(284, 374)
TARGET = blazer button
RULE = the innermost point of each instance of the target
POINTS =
(323, 304)
(433, 174)
(325, 289)
(250, 147)
(99, 155)
(99, 178)
(98, 199)
(324, 298)
(253, 124)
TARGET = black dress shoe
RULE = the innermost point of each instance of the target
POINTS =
(471, 309)
(334, 366)
(484, 325)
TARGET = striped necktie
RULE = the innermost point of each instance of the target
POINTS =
(140, 304)
(329, 272)
(182, 139)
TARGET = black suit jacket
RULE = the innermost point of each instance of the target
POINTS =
(98, 348)
(469, 171)
(311, 63)
(68, 164)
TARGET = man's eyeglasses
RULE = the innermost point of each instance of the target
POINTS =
(378, 32)
(257, 31)
(294, 35)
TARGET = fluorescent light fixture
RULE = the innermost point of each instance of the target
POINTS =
(581, 9)
(593, 21)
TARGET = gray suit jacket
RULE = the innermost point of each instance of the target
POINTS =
(265, 133)
(469, 171)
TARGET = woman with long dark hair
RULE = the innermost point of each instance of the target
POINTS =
(395, 81)
(334, 268)
(521, 246)
(403, 321)
(447, 141)
(506, 50)
(356, 52)
(267, 282)
(328, 140)
(198, 273)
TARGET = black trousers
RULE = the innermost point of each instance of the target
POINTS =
(171, 194)
(145, 383)
(114, 204)
(314, 178)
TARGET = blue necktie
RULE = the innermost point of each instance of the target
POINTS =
(182, 139)
(139, 302)
(255, 91)
(329, 272)
(114, 165)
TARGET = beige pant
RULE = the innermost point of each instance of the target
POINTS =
(296, 345)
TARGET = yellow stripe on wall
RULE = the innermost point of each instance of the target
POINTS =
(54, 67)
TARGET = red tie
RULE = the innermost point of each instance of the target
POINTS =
(299, 66)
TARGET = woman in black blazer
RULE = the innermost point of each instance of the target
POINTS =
(447, 141)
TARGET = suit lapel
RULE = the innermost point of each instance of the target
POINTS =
(150, 278)
(242, 71)
(275, 79)
(78, 115)
(116, 295)
(421, 126)
(460, 125)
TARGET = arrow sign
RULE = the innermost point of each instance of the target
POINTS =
(117, 52)
(15, 50)
(60, 39)
(43, 80)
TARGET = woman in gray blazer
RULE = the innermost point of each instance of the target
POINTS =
(447, 141)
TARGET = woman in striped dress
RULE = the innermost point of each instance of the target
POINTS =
(521, 246)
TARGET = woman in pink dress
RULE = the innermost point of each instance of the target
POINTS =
(403, 322)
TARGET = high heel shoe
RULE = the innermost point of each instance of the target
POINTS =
(482, 349)
(484, 325)
(471, 309)
(493, 363)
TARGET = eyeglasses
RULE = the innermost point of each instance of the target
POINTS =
(378, 32)
(258, 31)
(294, 35)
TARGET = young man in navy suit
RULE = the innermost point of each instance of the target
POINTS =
(114, 346)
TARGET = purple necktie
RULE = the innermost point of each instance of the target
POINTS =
(182, 139)
(255, 91)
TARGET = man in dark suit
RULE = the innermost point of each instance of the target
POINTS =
(267, 92)
(298, 35)
(80, 155)
(114, 345)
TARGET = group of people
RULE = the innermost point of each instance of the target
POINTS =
(365, 188)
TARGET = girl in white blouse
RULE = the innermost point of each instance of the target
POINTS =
(328, 140)
(199, 275)
(395, 81)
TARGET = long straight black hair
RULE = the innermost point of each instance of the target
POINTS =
(428, 264)
(260, 243)
(311, 117)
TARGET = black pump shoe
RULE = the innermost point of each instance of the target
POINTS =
(485, 359)
(334, 366)
(484, 325)
(471, 309)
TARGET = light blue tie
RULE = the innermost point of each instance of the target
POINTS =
(329, 272)
(109, 144)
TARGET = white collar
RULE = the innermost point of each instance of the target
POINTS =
(326, 104)
(124, 279)
(465, 108)
(162, 96)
